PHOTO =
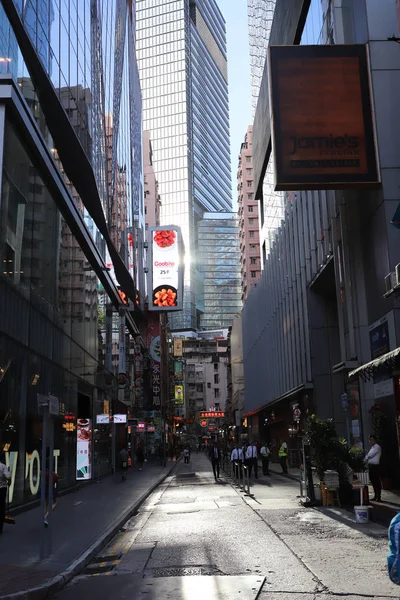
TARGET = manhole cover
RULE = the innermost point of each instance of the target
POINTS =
(182, 571)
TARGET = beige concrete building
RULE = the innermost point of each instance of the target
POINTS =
(250, 263)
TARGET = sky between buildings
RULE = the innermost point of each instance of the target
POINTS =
(235, 15)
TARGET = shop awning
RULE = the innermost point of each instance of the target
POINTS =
(286, 396)
(386, 362)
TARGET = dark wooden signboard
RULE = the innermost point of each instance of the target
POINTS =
(323, 135)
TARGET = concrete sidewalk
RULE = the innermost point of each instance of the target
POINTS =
(84, 521)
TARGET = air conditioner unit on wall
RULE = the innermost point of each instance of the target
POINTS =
(388, 284)
(397, 275)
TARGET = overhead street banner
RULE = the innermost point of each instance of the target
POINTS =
(322, 125)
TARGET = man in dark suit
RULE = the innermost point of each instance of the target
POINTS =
(214, 455)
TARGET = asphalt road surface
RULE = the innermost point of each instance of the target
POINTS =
(196, 539)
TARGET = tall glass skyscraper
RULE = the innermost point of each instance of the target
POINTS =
(260, 17)
(181, 52)
(219, 264)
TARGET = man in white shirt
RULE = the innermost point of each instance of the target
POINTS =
(5, 476)
(265, 454)
(252, 460)
(373, 459)
(237, 457)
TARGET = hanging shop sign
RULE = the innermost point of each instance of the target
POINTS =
(141, 426)
(102, 419)
(165, 268)
(296, 414)
(382, 339)
(120, 418)
(178, 347)
(84, 449)
(213, 414)
(138, 367)
(122, 343)
(323, 132)
(203, 422)
(153, 342)
(179, 394)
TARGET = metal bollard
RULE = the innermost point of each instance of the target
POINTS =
(246, 480)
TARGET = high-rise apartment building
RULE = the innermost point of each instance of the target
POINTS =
(249, 233)
(181, 50)
(219, 265)
(260, 17)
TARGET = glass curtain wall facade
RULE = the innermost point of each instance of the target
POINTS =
(260, 17)
(71, 201)
(219, 265)
(183, 71)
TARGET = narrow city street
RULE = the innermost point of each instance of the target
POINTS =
(197, 538)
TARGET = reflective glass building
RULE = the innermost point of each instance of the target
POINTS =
(219, 265)
(71, 221)
(272, 207)
(183, 71)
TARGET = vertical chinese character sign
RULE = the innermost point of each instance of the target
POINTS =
(153, 343)
(138, 367)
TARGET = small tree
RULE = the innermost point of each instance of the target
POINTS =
(327, 450)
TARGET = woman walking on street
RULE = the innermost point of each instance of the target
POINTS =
(5, 478)
(140, 456)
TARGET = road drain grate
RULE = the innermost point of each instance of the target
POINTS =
(182, 571)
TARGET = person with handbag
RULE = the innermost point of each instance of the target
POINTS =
(5, 478)
(50, 480)
(124, 455)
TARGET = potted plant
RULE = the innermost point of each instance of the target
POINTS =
(327, 450)
(355, 459)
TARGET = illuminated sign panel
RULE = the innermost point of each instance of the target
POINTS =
(323, 135)
(165, 268)
(213, 414)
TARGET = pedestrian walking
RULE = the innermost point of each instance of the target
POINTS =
(373, 459)
(283, 454)
(140, 456)
(123, 456)
(237, 459)
(393, 558)
(265, 454)
(215, 457)
(5, 478)
(186, 455)
(50, 479)
(252, 459)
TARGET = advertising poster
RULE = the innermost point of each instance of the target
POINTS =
(84, 449)
(381, 338)
(319, 144)
(165, 268)
(179, 394)
(178, 347)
